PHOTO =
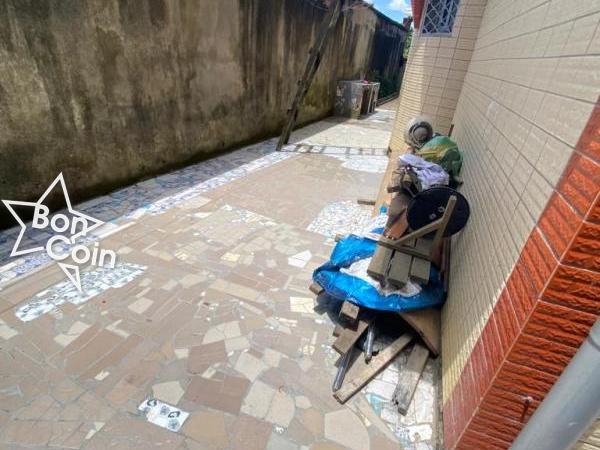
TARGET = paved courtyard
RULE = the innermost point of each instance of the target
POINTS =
(207, 310)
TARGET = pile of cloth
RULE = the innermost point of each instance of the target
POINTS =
(431, 160)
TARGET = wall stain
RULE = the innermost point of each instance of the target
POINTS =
(109, 51)
(6, 38)
(158, 12)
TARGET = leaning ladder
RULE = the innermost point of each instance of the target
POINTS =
(314, 59)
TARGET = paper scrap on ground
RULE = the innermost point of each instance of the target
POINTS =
(163, 415)
(300, 259)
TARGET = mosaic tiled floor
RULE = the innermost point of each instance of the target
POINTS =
(205, 335)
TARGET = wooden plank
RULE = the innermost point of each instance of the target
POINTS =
(365, 372)
(399, 272)
(445, 263)
(422, 249)
(384, 198)
(424, 245)
(397, 206)
(398, 228)
(409, 377)
(312, 64)
(404, 249)
(349, 311)
(436, 253)
(380, 262)
(316, 289)
(365, 201)
(349, 336)
(426, 322)
(337, 330)
(420, 269)
(396, 243)
(421, 231)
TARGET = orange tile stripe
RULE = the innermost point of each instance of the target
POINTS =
(551, 300)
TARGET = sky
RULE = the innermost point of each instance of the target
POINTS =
(395, 9)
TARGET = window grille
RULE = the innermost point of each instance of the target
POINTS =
(439, 17)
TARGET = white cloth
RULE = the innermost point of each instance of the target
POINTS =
(359, 270)
(428, 173)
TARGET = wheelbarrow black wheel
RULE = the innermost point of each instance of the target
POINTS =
(429, 205)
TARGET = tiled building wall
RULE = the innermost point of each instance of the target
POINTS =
(545, 311)
(433, 77)
(526, 271)
(531, 85)
(435, 71)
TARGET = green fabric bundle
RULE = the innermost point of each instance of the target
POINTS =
(443, 151)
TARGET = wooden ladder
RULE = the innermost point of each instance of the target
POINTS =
(314, 59)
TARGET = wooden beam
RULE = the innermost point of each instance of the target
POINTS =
(420, 269)
(338, 329)
(423, 245)
(349, 336)
(400, 267)
(399, 272)
(402, 248)
(409, 377)
(426, 322)
(445, 257)
(312, 64)
(439, 235)
(365, 201)
(397, 228)
(380, 262)
(405, 244)
(349, 311)
(439, 226)
(316, 288)
(366, 372)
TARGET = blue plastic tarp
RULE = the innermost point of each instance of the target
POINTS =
(343, 286)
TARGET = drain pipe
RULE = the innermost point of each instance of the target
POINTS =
(572, 404)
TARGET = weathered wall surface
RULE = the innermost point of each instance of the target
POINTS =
(114, 90)
(387, 59)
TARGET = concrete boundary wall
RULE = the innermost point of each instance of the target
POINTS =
(109, 92)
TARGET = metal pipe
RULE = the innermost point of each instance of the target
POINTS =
(342, 369)
(572, 404)
(369, 341)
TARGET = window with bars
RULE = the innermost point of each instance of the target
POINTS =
(439, 17)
